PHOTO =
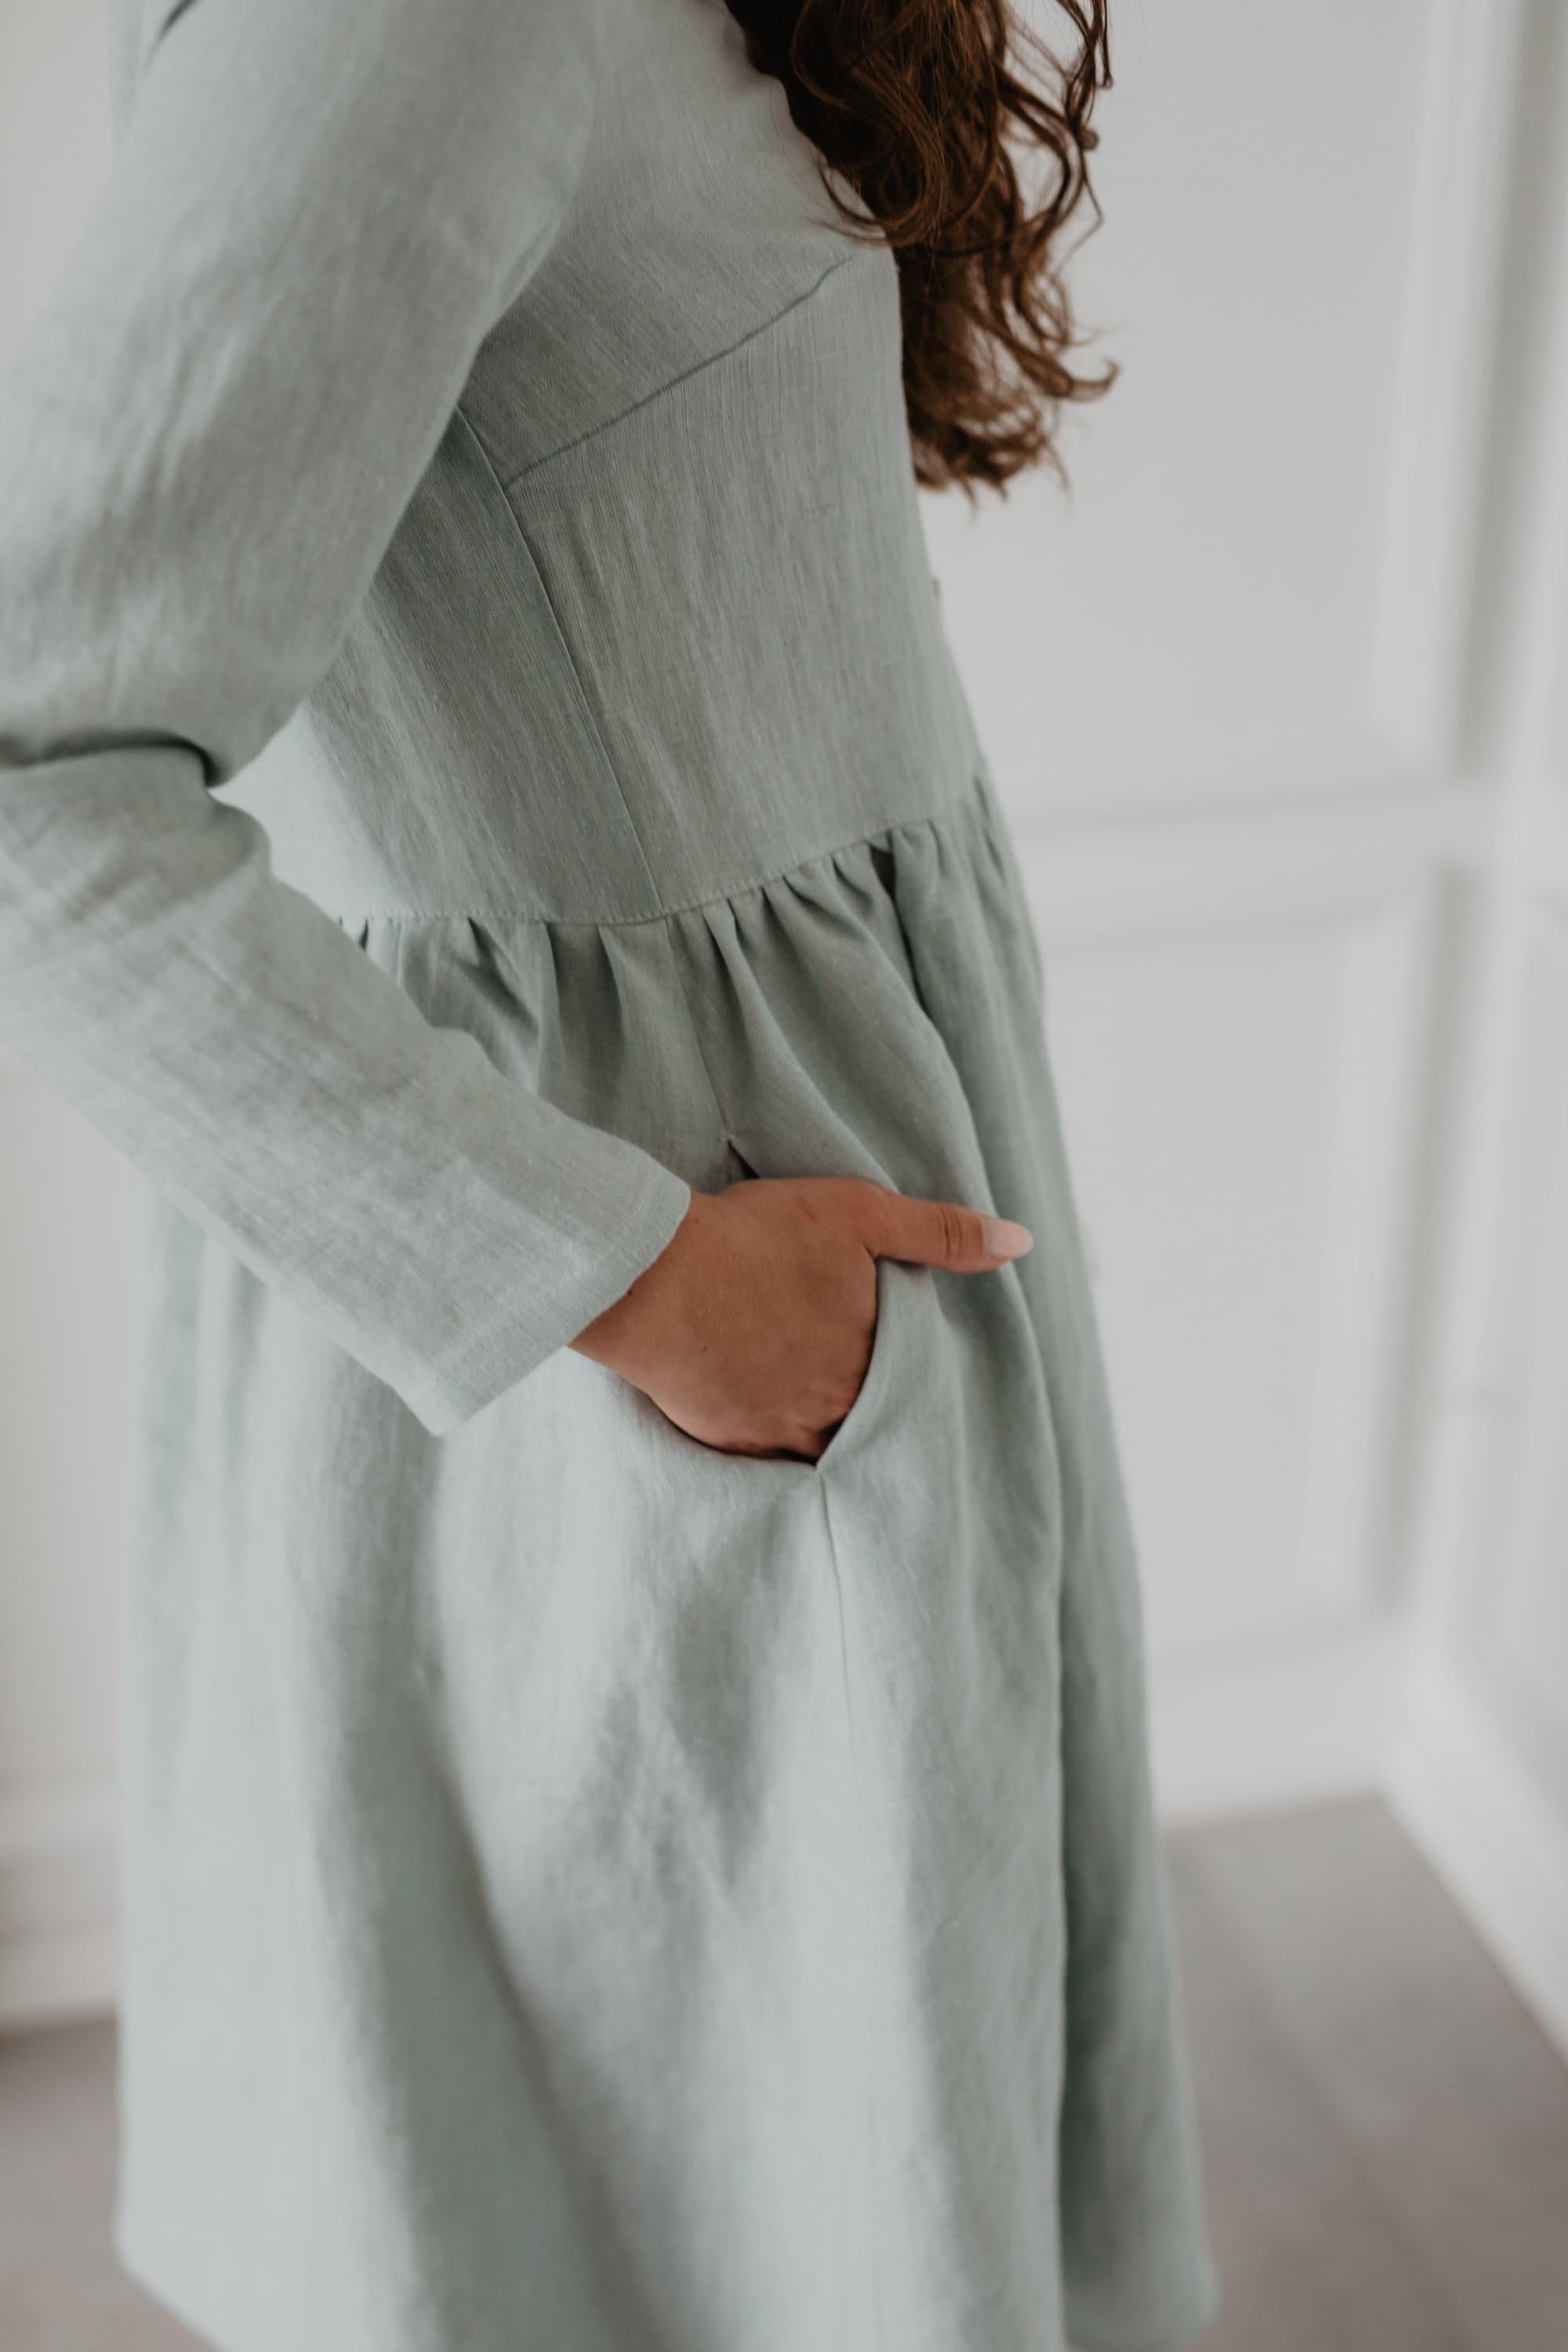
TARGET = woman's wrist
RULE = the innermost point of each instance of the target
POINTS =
(611, 1338)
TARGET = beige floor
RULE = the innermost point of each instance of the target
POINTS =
(1385, 2130)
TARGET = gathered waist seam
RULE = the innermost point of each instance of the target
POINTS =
(956, 808)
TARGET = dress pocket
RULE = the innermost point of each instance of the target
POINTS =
(877, 1395)
(897, 1282)
(885, 1382)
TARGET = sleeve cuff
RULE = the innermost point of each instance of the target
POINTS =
(492, 1357)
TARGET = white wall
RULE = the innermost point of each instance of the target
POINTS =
(64, 1225)
(1478, 1762)
(1274, 700)
(1280, 700)
(1223, 683)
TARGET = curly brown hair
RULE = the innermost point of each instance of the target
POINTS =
(918, 105)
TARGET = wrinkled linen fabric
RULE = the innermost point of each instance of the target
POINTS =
(480, 760)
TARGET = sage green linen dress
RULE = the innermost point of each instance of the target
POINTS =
(481, 759)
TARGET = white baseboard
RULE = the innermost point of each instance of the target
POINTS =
(50, 1979)
(1289, 1722)
(1489, 1829)
(58, 1939)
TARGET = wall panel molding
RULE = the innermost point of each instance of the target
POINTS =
(1221, 863)
(1274, 1724)
(1439, 444)
(1456, 1779)
(1362, 913)
(1506, 1629)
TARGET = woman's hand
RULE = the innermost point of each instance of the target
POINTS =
(753, 1329)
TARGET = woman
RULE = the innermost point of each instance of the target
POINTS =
(636, 1829)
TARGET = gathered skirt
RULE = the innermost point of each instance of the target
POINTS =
(585, 1891)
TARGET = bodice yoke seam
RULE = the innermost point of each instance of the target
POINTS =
(670, 383)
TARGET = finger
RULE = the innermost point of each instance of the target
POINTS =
(938, 1233)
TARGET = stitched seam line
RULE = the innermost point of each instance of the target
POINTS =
(672, 383)
(631, 922)
(873, 2135)
(589, 713)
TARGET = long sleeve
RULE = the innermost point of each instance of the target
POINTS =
(318, 208)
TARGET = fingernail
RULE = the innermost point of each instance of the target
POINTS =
(1006, 1239)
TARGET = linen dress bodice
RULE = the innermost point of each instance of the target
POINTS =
(658, 620)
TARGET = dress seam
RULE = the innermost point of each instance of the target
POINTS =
(582, 678)
(579, 679)
(741, 889)
(672, 383)
(874, 2262)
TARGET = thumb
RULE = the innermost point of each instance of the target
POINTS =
(941, 1233)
